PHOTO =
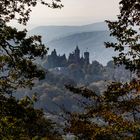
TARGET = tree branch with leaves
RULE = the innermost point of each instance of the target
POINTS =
(115, 113)
(18, 69)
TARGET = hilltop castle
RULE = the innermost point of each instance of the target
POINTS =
(54, 60)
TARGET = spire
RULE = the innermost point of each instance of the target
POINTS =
(86, 56)
(77, 48)
(86, 49)
(77, 51)
(54, 53)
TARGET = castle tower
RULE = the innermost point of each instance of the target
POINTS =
(82, 61)
(86, 57)
(54, 53)
(77, 52)
(77, 55)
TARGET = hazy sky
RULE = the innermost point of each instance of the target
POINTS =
(75, 12)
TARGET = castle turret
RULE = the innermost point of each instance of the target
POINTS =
(77, 52)
(77, 55)
(54, 53)
(86, 57)
(82, 61)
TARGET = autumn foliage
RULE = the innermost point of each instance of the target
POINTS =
(115, 113)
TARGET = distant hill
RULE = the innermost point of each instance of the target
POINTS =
(90, 41)
(53, 32)
(65, 38)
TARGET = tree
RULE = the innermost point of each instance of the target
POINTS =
(126, 31)
(115, 113)
(17, 51)
(20, 9)
(18, 118)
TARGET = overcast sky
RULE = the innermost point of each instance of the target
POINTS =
(75, 12)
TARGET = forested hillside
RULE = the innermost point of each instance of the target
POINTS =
(76, 71)
(86, 87)
(91, 37)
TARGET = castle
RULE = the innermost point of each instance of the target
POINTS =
(54, 60)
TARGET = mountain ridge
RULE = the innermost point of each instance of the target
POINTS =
(90, 41)
(51, 32)
(65, 38)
